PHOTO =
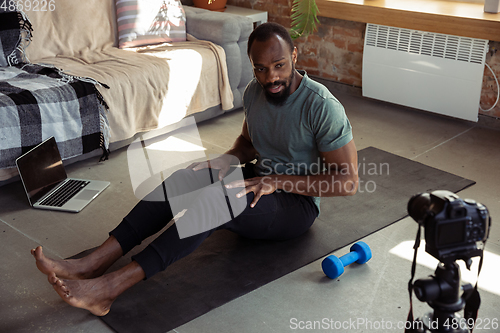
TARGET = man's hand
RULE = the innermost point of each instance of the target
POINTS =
(241, 152)
(222, 163)
(259, 186)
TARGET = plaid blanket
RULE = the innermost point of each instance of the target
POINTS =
(37, 102)
(15, 35)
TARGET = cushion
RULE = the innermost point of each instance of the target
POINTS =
(12, 25)
(75, 28)
(147, 22)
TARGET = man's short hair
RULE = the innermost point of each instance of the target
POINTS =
(265, 31)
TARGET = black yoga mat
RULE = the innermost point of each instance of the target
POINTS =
(227, 266)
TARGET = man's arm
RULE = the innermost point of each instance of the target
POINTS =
(243, 148)
(340, 178)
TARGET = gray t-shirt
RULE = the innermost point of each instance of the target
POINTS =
(289, 138)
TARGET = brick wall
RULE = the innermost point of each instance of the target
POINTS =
(277, 10)
(489, 91)
(335, 51)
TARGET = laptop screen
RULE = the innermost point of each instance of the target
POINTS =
(41, 169)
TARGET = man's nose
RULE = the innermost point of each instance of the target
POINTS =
(272, 76)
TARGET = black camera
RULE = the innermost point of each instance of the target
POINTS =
(454, 228)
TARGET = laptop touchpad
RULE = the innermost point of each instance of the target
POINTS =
(86, 194)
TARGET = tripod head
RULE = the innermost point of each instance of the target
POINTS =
(442, 292)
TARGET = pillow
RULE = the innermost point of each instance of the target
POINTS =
(12, 26)
(146, 22)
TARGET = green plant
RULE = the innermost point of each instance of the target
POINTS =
(304, 18)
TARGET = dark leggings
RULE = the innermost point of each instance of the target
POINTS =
(278, 216)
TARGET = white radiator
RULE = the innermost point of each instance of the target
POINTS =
(429, 71)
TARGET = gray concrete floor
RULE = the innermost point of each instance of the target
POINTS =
(368, 298)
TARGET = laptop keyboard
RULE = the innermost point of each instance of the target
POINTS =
(60, 196)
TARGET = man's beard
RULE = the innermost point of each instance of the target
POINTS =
(280, 98)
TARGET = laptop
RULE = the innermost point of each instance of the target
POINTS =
(47, 184)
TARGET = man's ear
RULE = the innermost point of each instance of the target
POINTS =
(294, 55)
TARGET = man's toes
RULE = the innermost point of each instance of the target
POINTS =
(53, 278)
(64, 293)
(61, 285)
(39, 253)
(36, 252)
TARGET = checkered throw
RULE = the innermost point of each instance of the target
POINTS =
(15, 34)
(37, 102)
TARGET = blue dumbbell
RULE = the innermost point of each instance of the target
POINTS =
(334, 267)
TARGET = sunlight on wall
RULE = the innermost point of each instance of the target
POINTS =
(488, 279)
(432, 6)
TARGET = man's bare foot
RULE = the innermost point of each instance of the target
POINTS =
(92, 295)
(66, 269)
(97, 295)
(91, 266)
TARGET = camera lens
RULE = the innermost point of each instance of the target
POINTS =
(418, 206)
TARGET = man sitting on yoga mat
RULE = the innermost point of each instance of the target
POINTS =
(303, 143)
